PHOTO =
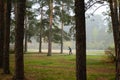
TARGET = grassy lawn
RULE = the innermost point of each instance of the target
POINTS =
(62, 67)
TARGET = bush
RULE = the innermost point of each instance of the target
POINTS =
(110, 52)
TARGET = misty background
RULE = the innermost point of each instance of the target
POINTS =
(97, 36)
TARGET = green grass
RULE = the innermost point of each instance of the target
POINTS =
(62, 67)
(99, 69)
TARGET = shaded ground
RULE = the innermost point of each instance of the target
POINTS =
(62, 67)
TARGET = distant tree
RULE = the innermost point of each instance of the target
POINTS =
(7, 19)
(1, 31)
(62, 25)
(41, 27)
(61, 14)
(19, 36)
(43, 22)
(25, 34)
(44, 11)
(80, 40)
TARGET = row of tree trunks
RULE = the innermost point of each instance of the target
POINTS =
(116, 33)
(5, 11)
(19, 36)
(80, 40)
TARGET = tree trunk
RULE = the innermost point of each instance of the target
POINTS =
(62, 39)
(80, 40)
(25, 33)
(50, 29)
(1, 32)
(7, 13)
(119, 44)
(62, 30)
(19, 36)
(115, 26)
(40, 43)
(115, 22)
(118, 49)
(40, 37)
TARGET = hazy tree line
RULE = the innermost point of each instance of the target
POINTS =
(97, 30)
(47, 27)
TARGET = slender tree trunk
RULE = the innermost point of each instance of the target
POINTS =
(80, 40)
(50, 29)
(40, 42)
(25, 33)
(40, 37)
(62, 30)
(15, 13)
(7, 12)
(62, 38)
(19, 36)
(1, 32)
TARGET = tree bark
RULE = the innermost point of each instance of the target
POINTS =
(40, 43)
(25, 33)
(1, 32)
(50, 29)
(19, 36)
(115, 23)
(80, 40)
(7, 19)
(115, 27)
(40, 37)
(62, 30)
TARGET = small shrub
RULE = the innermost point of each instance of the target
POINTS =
(110, 52)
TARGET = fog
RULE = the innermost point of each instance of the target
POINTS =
(97, 37)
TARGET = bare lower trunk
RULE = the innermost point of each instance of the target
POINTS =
(49, 44)
(50, 29)
(62, 38)
(62, 30)
(40, 43)
(25, 33)
(25, 42)
(40, 37)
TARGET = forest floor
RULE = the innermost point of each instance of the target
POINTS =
(62, 67)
